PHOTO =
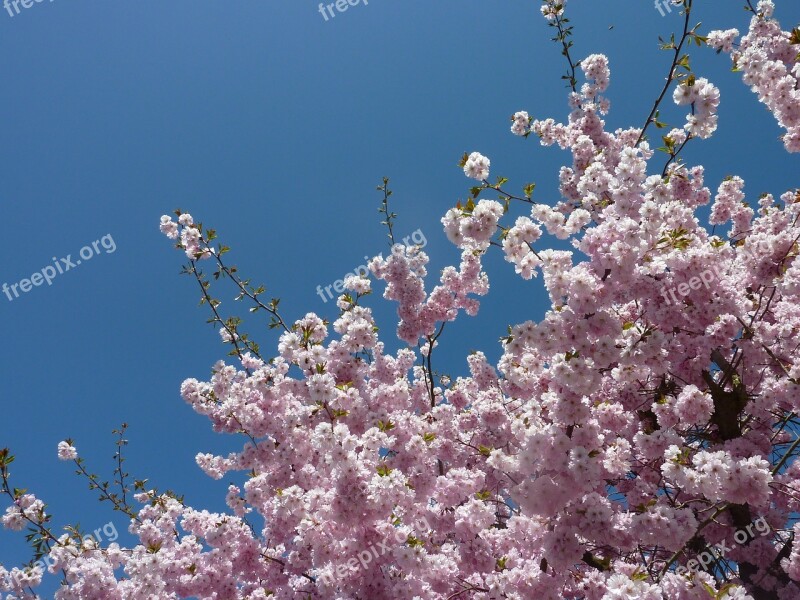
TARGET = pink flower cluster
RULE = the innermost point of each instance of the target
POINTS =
(703, 96)
(189, 234)
(477, 166)
(553, 8)
(767, 58)
(612, 441)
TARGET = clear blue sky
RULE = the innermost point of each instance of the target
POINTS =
(274, 126)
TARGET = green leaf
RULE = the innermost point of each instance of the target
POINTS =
(483, 495)
(528, 190)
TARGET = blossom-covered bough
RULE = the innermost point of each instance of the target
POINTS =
(637, 442)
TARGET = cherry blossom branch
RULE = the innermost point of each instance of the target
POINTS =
(469, 587)
(14, 495)
(786, 455)
(429, 370)
(564, 33)
(266, 556)
(46, 540)
(252, 293)
(118, 472)
(227, 325)
(103, 489)
(674, 155)
(384, 209)
(497, 187)
(677, 60)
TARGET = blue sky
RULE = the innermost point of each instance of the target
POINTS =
(273, 126)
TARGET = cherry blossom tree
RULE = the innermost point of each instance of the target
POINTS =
(637, 442)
